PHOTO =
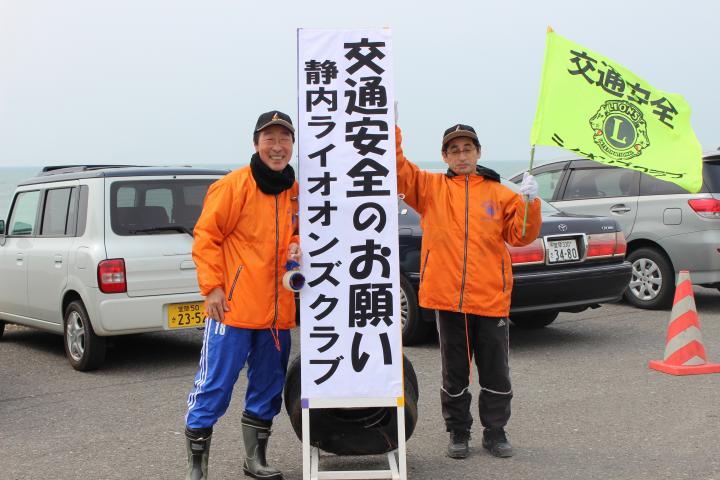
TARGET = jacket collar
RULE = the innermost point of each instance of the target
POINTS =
(488, 173)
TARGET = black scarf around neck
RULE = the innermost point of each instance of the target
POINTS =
(270, 181)
(486, 172)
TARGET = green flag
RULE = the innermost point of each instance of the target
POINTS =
(600, 110)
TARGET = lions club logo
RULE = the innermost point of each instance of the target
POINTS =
(620, 129)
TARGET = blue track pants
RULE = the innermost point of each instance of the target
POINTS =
(224, 353)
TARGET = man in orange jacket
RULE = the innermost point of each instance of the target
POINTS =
(467, 217)
(246, 234)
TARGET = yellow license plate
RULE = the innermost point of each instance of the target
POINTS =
(186, 315)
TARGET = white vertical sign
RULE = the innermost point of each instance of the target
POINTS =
(350, 305)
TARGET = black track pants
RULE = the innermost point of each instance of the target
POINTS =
(488, 343)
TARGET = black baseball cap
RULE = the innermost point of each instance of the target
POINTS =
(460, 130)
(274, 117)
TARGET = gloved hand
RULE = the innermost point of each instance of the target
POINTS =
(529, 186)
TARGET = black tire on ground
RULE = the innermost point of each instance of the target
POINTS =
(352, 431)
(84, 350)
(2, 328)
(415, 330)
(652, 284)
(530, 321)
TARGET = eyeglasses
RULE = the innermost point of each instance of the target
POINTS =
(457, 151)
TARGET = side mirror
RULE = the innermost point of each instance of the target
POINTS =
(2, 233)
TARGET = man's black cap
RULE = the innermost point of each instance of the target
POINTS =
(274, 117)
(460, 130)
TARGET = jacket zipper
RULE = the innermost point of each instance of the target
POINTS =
(277, 252)
(232, 288)
(467, 206)
(422, 274)
(503, 273)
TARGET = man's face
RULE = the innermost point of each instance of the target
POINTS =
(461, 155)
(275, 147)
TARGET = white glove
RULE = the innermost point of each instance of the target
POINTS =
(529, 186)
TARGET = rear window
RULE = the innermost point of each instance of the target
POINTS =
(650, 185)
(147, 207)
(711, 176)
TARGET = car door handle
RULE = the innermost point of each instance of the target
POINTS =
(20, 258)
(58, 260)
(187, 265)
(620, 208)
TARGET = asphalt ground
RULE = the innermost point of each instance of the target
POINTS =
(586, 407)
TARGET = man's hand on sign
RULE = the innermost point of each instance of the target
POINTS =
(217, 304)
(529, 186)
(294, 252)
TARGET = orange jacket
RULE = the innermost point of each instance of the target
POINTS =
(241, 242)
(466, 220)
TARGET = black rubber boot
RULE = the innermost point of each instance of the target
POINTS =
(458, 446)
(255, 436)
(197, 442)
(496, 442)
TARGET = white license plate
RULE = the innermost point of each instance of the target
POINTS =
(559, 251)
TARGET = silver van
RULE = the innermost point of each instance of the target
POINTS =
(667, 229)
(94, 251)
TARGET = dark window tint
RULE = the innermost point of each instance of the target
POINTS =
(24, 213)
(82, 211)
(600, 183)
(145, 207)
(711, 176)
(654, 186)
(55, 213)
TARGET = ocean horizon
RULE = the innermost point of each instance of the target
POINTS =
(11, 176)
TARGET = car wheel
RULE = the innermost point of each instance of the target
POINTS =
(414, 329)
(652, 284)
(84, 350)
(352, 431)
(529, 321)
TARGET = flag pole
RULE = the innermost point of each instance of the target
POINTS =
(527, 199)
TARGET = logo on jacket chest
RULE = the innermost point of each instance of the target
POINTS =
(488, 208)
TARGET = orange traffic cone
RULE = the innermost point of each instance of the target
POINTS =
(684, 350)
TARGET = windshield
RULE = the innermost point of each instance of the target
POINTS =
(156, 207)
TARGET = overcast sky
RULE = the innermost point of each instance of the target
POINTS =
(182, 82)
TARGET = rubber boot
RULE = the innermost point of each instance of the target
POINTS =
(255, 436)
(197, 443)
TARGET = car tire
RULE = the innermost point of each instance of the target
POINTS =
(84, 350)
(2, 328)
(414, 329)
(652, 284)
(532, 321)
(352, 431)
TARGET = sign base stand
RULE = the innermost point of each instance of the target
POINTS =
(397, 467)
